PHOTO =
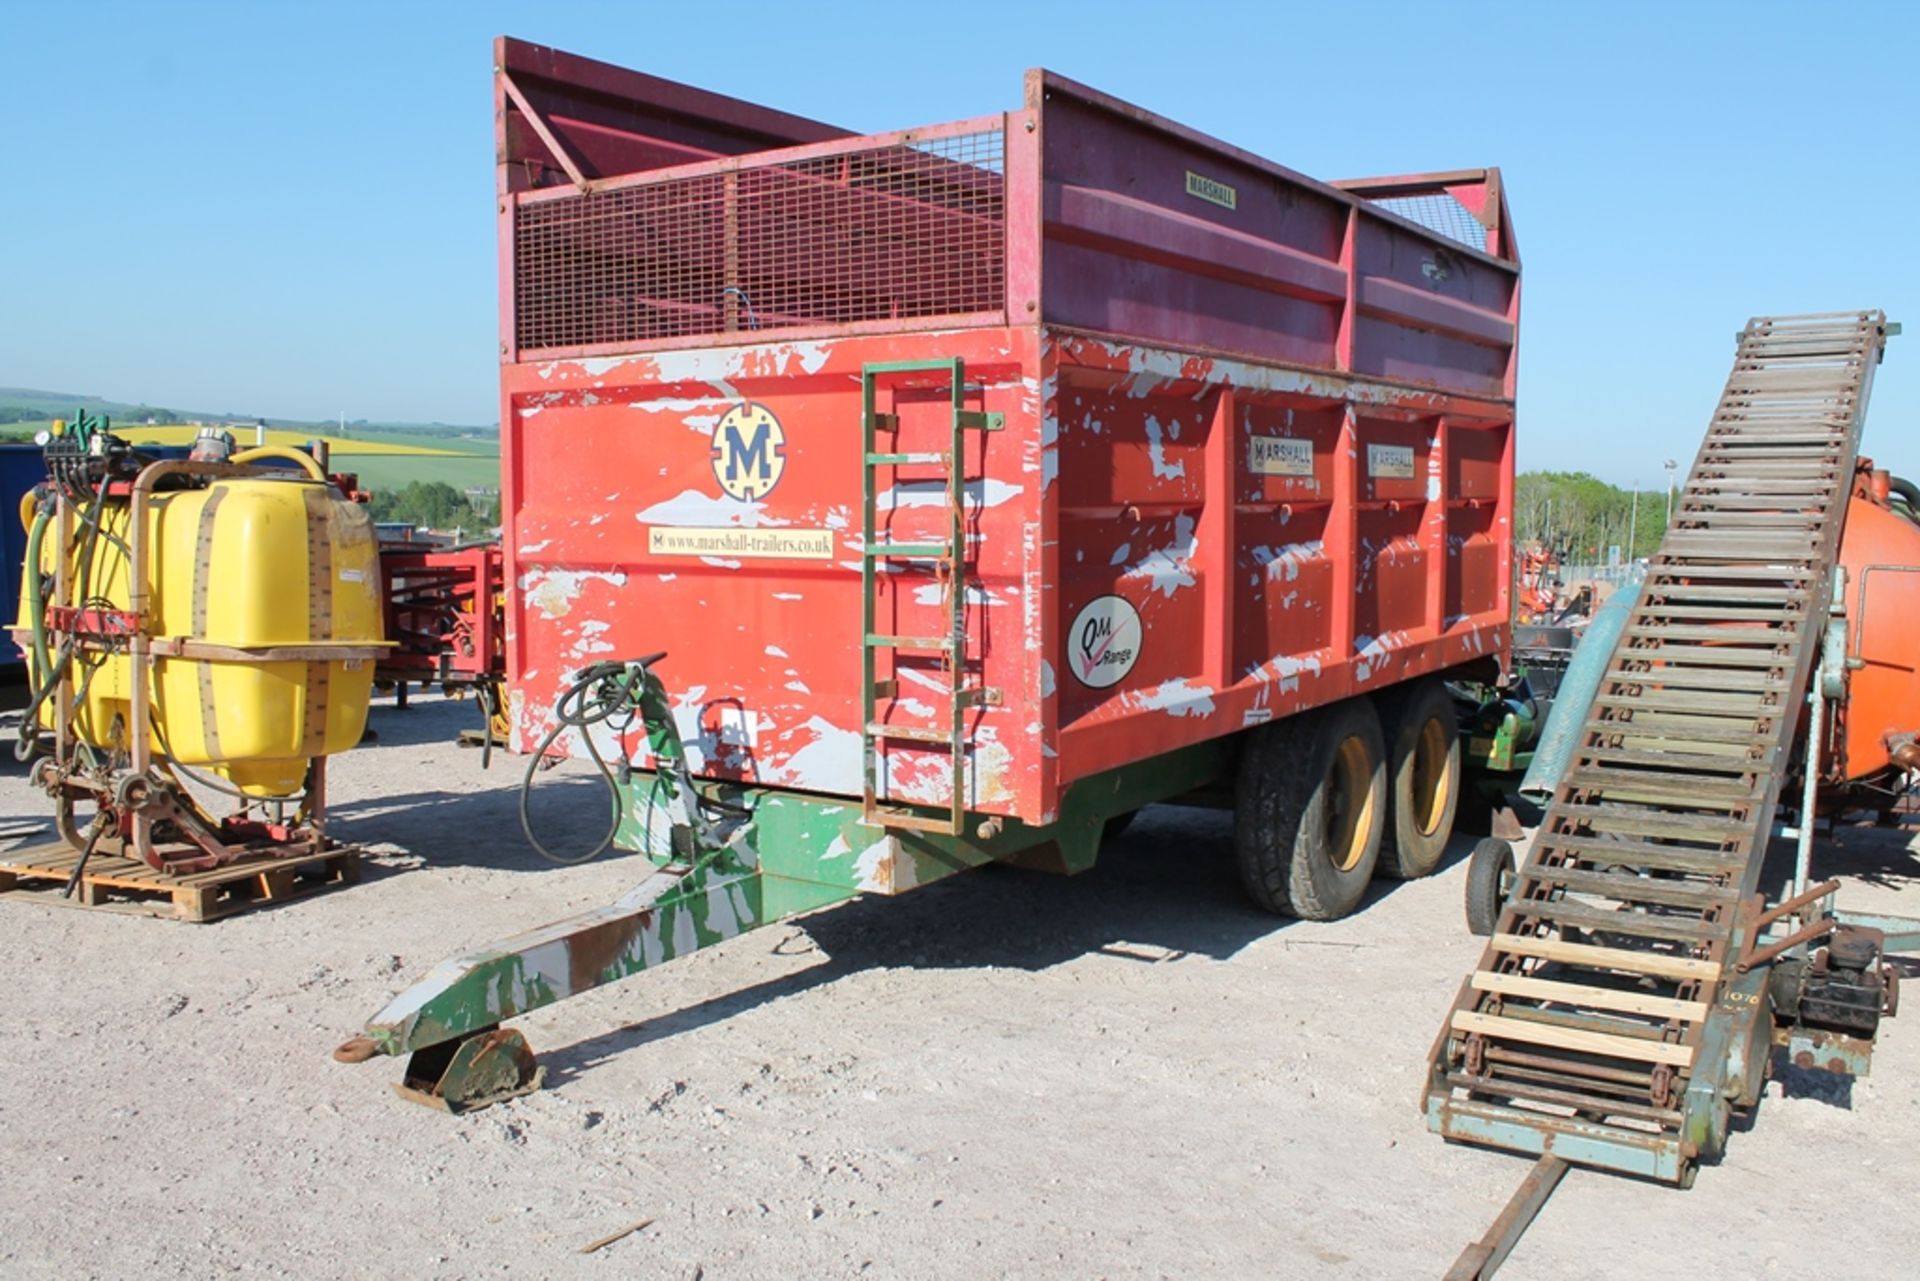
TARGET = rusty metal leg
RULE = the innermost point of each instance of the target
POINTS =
(1484, 1257)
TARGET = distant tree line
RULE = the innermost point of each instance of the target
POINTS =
(1581, 516)
(436, 505)
(35, 414)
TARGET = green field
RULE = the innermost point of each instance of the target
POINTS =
(393, 471)
(379, 453)
(462, 463)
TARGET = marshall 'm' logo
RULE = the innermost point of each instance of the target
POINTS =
(749, 452)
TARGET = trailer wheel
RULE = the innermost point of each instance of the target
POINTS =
(1309, 808)
(1423, 780)
(1490, 878)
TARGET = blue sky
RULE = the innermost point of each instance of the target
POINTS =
(287, 209)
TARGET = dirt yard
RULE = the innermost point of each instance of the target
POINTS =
(1130, 1074)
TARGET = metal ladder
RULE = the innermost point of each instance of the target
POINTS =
(949, 558)
(1617, 1014)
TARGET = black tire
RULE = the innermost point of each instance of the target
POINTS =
(1423, 779)
(1308, 786)
(1490, 872)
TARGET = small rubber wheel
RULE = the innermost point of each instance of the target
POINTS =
(1310, 805)
(1490, 873)
(1423, 779)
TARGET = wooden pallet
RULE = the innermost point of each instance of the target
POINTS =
(41, 872)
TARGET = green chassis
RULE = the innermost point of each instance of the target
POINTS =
(769, 856)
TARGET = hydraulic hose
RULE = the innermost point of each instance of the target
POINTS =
(50, 672)
(36, 604)
(600, 695)
(1909, 493)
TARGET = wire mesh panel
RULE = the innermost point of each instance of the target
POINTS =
(881, 233)
(1439, 212)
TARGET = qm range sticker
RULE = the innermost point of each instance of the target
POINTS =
(1104, 642)
(749, 452)
(1392, 462)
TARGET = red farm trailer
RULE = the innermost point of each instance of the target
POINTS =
(982, 483)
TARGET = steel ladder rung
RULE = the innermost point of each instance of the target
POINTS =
(1665, 858)
(1705, 680)
(1730, 613)
(1699, 676)
(1707, 703)
(912, 820)
(1664, 965)
(1766, 559)
(1602, 1043)
(911, 733)
(1677, 786)
(1693, 762)
(1715, 724)
(1687, 827)
(1746, 597)
(1624, 807)
(1507, 1086)
(876, 732)
(1760, 445)
(1667, 929)
(1607, 1022)
(1679, 733)
(1587, 995)
(1625, 887)
(1664, 575)
(1809, 489)
(931, 457)
(1735, 635)
(1703, 655)
(1736, 744)
(932, 644)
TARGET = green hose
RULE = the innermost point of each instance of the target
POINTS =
(36, 611)
(44, 675)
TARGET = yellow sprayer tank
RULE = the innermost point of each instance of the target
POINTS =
(242, 566)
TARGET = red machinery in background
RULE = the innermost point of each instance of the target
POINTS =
(1876, 717)
(1539, 586)
(445, 613)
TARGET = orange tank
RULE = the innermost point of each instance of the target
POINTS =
(1881, 552)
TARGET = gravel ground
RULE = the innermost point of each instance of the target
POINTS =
(1128, 1074)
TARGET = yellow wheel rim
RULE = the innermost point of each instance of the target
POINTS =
(1350, 808)
(1432, 780)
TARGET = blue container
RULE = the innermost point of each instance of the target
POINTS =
(21, 468)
